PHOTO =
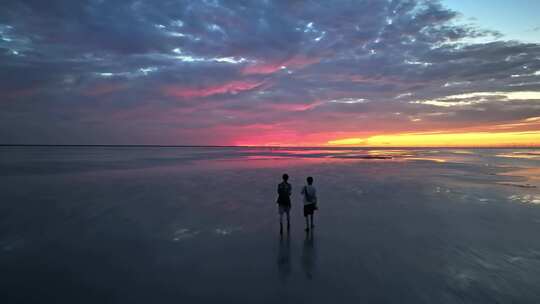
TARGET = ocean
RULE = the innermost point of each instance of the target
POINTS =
(200, 225)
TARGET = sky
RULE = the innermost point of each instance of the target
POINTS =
(285, 73)
(516, 19)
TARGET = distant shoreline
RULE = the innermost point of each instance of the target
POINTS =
(266, 147)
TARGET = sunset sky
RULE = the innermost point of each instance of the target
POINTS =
(291, 73)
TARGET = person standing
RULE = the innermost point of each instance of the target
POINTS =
(284, 190)
(310, 202)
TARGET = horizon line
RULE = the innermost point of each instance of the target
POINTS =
(259, 146)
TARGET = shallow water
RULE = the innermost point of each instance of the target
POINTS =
(200, 225)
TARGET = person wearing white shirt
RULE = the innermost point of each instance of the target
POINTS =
(310, 202)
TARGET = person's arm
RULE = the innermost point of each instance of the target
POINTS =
(290, 190)
(314, 195)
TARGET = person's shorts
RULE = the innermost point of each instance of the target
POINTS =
(309, 209)
(284, 208)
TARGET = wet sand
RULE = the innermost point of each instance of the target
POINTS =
(200, 225)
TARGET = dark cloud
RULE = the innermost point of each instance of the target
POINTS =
(181, 72)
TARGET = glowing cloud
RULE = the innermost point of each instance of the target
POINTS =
(479, 97)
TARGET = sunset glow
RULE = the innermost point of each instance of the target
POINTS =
(474, 139)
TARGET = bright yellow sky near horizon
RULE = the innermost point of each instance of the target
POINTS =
(466, 139)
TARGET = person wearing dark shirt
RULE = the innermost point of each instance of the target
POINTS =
(284, 190)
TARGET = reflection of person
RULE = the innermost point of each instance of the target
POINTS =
(308, 255)
(284, 190)
(310, 202)
(284, 257)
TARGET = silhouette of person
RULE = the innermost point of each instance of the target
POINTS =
(284, 190)
(308, 255)
(310, 202)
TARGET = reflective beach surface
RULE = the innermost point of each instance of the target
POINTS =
(200, 225)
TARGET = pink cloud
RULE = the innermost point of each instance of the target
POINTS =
(194, 92)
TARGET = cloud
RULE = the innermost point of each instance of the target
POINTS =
(269, 68)
(480, 97)
(314, 70)
(103, 89)
(233, 87)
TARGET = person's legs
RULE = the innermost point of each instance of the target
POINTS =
(311, 216)
(288, 221)
(307, 213)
